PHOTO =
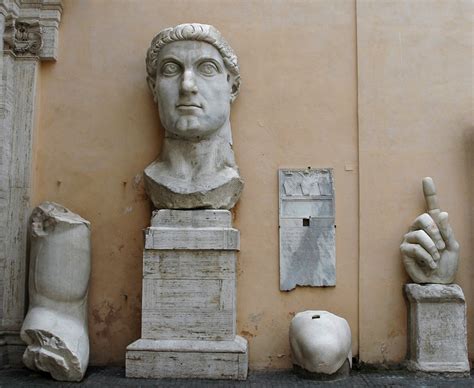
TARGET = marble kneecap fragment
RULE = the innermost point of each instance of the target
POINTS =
(55, 328)
(320, 342)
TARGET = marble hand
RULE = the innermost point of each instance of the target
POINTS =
(429, 250)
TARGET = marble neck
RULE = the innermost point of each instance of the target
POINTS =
(224, 133)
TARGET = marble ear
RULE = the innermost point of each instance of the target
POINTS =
(151, 84)
(235, 86)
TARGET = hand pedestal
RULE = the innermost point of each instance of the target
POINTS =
(188, 302)
(437, 328)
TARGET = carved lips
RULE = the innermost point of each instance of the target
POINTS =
(189, 107)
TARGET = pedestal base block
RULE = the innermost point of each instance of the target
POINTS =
(188, 299)
(437, 328)
(11, 349)
(148, 358)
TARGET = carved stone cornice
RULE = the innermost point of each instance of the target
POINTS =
(24, 39)
(9, 8)
(31, 27)
(15, 7)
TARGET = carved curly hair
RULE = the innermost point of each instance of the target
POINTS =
(198, 32)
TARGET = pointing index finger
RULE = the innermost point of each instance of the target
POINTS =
(429, 190)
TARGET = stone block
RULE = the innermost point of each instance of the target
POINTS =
(188, 299)
(192, 230)
(191, 218)
(437, 332)
(188, 359)
(198, 238)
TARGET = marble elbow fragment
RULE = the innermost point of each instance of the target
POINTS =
(55, 328)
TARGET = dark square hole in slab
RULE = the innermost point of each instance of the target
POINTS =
(305, 221)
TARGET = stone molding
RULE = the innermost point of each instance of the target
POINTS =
(222, 239)
(148, 358)
(189, 230)
(237, 345)
(434, 293)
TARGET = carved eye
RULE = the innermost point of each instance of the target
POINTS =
(170, 69)
(208, 69)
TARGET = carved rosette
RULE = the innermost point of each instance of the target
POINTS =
(23, 38)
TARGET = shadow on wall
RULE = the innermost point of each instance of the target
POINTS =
(469, 144)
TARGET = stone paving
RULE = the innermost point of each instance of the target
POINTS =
(115, 377)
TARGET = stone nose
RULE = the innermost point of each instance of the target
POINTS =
(188, 83)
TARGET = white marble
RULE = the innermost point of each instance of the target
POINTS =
(320, 342)
(189, 299)
(307, 228)
(194, 76)
(429, 250)
(147, 358)
(55, 328)
(437, 330)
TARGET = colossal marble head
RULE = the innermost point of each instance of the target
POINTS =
(194, 76)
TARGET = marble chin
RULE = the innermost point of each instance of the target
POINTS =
(218, 190)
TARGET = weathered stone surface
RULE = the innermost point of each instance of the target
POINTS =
(188, 295)
(11, 349)
(320, 342)
(437, 331)
(194, 76)
(188, 359)
(307, 230)
(217, 239)
(189, 299)
(216, 191)
(429, 250)
(55, 328)
(28, 34)
(180, 230)
(191, 219)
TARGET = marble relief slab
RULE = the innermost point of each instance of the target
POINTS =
(307, 228)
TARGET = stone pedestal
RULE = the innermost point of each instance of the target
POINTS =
(188, 302)
(437, 328)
